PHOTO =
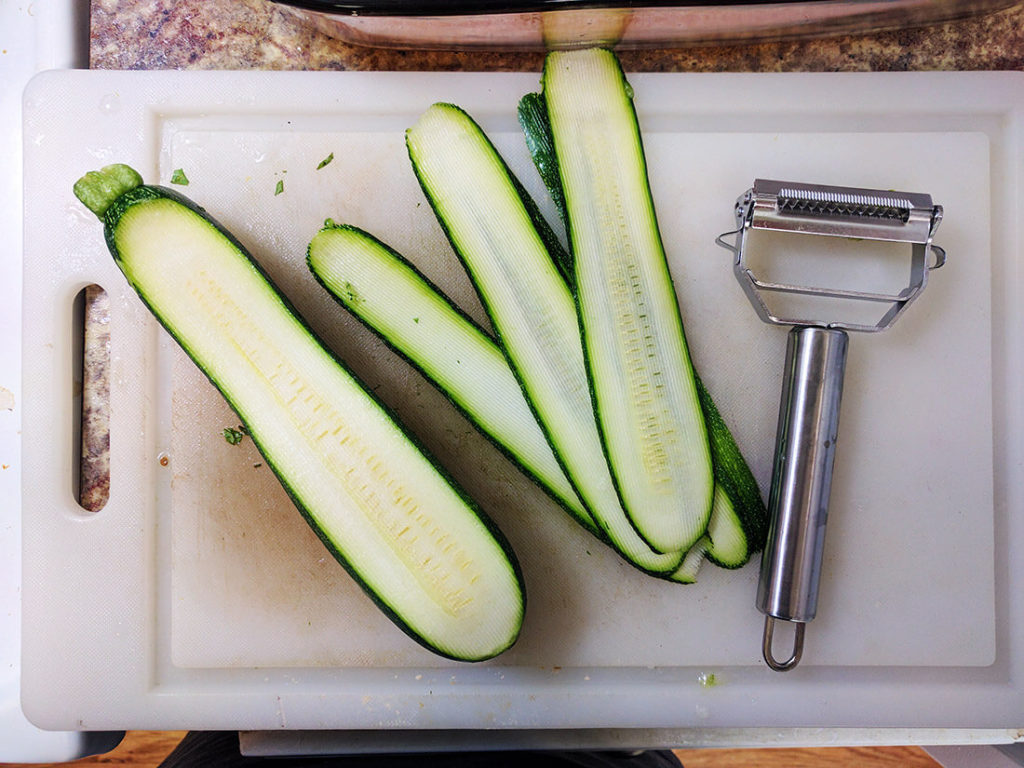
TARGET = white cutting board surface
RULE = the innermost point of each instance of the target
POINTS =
(205, 598)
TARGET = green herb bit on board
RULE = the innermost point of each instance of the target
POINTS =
(234, 436)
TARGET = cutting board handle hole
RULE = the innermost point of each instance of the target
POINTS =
(91, 398)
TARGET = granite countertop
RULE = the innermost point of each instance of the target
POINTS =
(243, 34)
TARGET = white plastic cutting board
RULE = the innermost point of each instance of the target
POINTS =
(198, 598)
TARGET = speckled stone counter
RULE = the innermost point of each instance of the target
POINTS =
(243, 34)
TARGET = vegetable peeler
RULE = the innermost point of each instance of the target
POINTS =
(812, 387)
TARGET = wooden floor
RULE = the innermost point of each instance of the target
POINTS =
(146, 749)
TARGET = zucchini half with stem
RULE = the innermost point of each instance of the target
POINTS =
(412, 539)
(645, 396)
(738, 523)
(482, 209)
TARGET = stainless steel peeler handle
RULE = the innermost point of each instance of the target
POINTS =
(805, 446)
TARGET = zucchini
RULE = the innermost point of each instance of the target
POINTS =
(737, 525)
(481, 208)
(739, 522)
(411, 538)
(724, 532)
(739, 519)
(533, 118)
(416, 320)
(738, 512)
(410, 314)
(645, 396)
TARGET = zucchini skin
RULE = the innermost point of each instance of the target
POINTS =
(147, 193)
(532, 112)
(580, 515)
(733, 476)
(731, 470)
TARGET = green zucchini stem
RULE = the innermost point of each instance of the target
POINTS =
(98, 189)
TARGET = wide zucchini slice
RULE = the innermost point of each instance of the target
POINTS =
(738, 523)
(414, 541)
(413, 317)
(481, 208)
(645, 396)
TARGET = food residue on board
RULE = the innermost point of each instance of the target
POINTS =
(707, 679)
(234, 435)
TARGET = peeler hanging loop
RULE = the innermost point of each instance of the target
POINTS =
(768, 650)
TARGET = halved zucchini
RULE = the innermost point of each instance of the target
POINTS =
(414, 541)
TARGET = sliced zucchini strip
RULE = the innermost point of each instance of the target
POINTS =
(645, 397)
(724, 536)
(743, 516)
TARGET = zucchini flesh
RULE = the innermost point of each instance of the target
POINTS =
(392, 298)
(417, 545)
(481, 209)
(644, 392)
(738, 512)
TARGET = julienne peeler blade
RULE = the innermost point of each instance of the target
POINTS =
(808, 425)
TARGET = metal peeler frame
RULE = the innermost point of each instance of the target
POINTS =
(815, 364)
(918, 231)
